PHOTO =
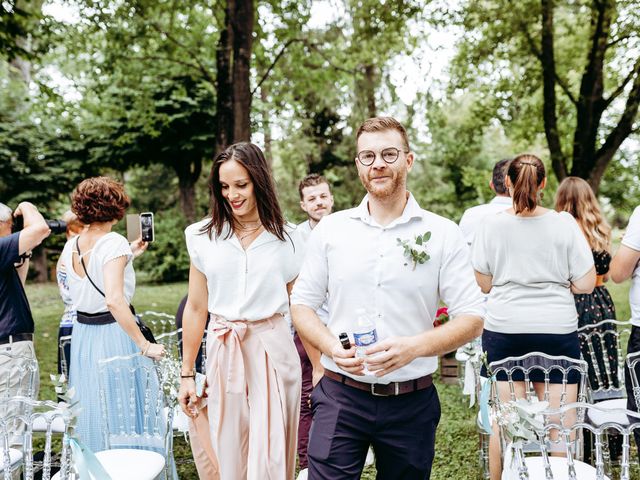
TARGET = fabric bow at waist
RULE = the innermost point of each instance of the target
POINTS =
(230, 334)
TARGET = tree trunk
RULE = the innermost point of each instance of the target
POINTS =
(188, 200)
(233, 62)
(188, 173)
(242, 22)
(591, 103)
(366, 91)
(224, 81)
(266, 125)
(547, 58)
(39, 265)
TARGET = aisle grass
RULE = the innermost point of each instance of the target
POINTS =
(457, 439)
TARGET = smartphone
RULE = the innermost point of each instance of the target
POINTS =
(133, 227)
(200, 381)
(146, 227)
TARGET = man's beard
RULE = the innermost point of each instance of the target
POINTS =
(388, 189)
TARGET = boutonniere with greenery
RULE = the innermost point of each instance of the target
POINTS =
(416, 250)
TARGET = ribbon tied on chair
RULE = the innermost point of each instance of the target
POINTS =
(85, 462)
(230, 334)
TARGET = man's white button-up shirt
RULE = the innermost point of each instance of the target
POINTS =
(361, 265)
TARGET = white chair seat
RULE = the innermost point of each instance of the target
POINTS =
(598, 418)
(15, 458)
(535, 465)
(128, 464)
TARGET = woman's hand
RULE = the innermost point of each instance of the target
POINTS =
(138, 247)
(155, 351)
(187, 397)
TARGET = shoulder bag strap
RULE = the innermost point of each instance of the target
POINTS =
(84, 267)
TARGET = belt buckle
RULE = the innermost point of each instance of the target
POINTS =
(395, 392)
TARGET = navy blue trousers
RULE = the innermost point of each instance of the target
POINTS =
(346, 420)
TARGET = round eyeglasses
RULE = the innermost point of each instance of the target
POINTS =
(389, 155)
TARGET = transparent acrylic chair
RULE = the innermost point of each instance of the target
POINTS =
(22, 382)
(24, 378)
(135, 420)
(23, 412)
(159, 322)
(562, 430)
(606, 375)
(601, 346)
(520, 375)
(169, 370)
(63, 346)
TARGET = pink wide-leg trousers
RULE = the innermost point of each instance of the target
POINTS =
(253, 372)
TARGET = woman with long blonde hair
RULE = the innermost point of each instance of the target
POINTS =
(576, 197)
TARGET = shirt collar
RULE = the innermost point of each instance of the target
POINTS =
(498, 200)
(411, 210)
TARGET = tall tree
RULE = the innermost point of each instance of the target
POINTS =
(588, 85)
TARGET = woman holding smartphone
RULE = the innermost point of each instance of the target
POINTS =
(101, 282)
(244, 259)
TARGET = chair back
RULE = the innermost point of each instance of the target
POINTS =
(21, 414)
(606, 372)
(171, 341)
(538, 367)
(23, 378)
(64, 347)
(633, 364)
(134, 413)
(560, 429)
(159, 322)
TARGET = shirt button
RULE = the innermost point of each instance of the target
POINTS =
(381, 255)
(378, 283)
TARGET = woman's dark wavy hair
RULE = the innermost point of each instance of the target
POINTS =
(526, 173)
(250, 157)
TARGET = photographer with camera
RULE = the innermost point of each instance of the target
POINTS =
(16, 322)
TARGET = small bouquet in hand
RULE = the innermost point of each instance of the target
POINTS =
(442, 317)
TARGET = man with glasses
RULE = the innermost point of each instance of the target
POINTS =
(393, 262)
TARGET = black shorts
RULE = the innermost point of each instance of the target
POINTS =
(502, 345)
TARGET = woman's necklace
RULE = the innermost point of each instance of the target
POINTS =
(245, 230)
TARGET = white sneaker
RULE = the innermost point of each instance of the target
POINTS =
(303, 474)
(371, 458)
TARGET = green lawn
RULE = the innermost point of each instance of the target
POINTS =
(457, 439)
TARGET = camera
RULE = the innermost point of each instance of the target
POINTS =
(56, 226)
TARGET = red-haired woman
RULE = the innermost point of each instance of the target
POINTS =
(244, 259)
(101, 281)
(530, 261)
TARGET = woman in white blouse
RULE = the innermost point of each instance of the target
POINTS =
(244, 259)
(530, 260)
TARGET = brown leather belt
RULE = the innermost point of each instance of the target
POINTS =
(380, 389)
(599, 280)
(19, 337)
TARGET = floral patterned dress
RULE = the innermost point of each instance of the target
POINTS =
(593, 308)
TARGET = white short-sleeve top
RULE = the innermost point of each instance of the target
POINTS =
(631, 239)
(246, 284)
(532, 261)
(84, 295)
